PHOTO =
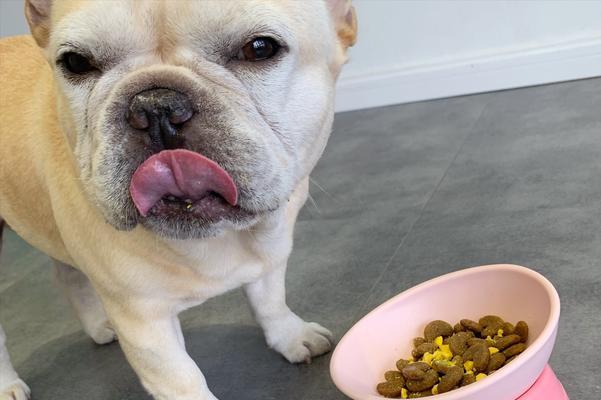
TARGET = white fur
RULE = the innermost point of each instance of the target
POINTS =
(11, 387)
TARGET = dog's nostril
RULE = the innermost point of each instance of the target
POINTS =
(137, 119)
(179, 116)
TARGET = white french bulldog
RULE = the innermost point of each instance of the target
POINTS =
(159, 152)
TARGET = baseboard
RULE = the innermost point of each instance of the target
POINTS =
(511, 69)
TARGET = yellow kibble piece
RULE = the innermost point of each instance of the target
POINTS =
(446, 351)
(404, 394)
(500, 333)
(428, 357)
(435, 389)
(493, 350)
(480, 376)
(488, 338)
(468, 365)
(438, 341)
(440, 355)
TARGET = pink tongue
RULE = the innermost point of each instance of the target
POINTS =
(181, 173)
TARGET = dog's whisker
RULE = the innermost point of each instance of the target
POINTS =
(314, 203)
(313, 181)
(250, 232)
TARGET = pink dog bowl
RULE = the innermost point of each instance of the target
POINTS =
(373, 345)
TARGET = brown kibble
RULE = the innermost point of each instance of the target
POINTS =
(401, 363)
(441, 366)
(490, 325)
(481, 343)
(508, 329)
(424, 348)
(474, 340)
(417, 395)
(496, 361)
(451, 379)
(458, 360)
(393, 376)
(458, 342)
(418, 341)
(390, 388)
(490, 331)
(471, 325)
(437, 328)
(506, 341)
(415, 371)
(490, 320)
(521, 329)
(430, 379)
(479, 354)
(468, 379)
(514, 350)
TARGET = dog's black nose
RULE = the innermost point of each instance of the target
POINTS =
(162, 114)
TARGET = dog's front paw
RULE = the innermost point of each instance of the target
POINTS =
(101, 332)
(16, 390)
(297, 340)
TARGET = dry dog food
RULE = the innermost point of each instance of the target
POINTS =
(449, 357)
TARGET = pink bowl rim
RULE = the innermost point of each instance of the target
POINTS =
(533, 348)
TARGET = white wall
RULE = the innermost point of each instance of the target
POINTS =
(416, 50)
(12, 19)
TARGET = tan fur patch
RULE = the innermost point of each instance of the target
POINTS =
(347, 32)
(164, 43)
(38, 24)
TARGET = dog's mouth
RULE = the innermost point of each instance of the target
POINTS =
(184, 184)
(210, 208)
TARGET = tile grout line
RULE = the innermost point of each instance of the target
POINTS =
(421, 212)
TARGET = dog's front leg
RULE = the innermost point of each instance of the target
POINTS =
(85, 301)
(151, 339)
(285, 331)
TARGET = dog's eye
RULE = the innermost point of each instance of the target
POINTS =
(259, 49)
(77, 64)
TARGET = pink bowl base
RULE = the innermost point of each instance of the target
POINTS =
(546, 387)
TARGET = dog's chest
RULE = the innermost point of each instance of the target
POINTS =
(227, 263)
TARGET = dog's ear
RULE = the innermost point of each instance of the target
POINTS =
(345, 20)
(37, 13)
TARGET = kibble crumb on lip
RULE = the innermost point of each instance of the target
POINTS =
(449, 357)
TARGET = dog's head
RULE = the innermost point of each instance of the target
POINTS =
(193, 116)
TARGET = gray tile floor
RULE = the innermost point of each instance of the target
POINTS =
(402, 194)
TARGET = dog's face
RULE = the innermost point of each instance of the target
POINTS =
(157, 96)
